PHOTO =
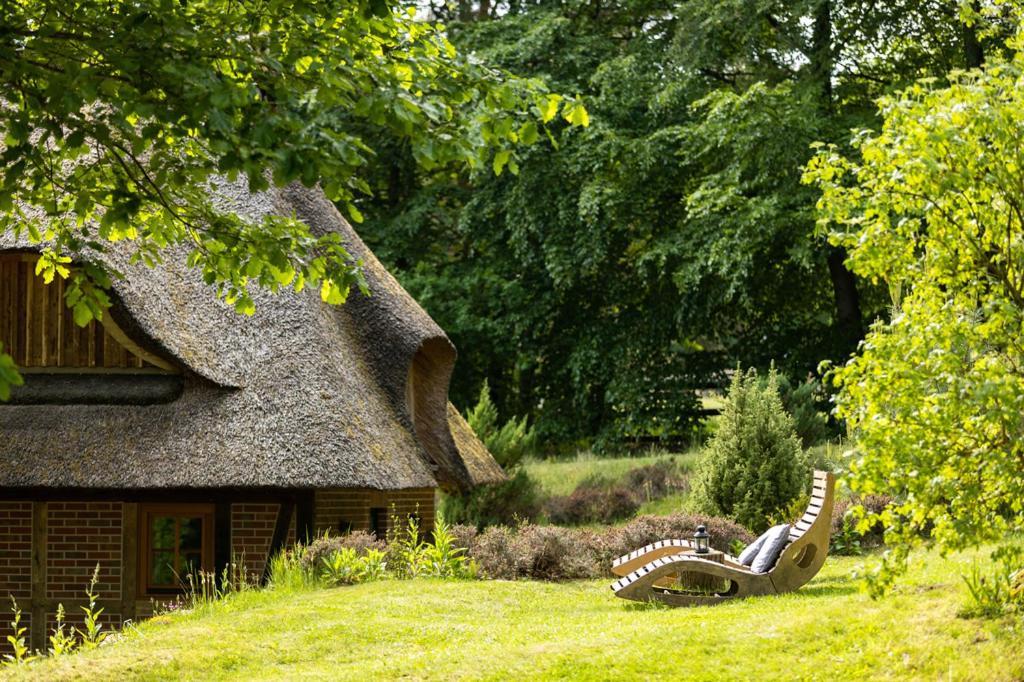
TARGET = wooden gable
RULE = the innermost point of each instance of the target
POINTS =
(38, 331)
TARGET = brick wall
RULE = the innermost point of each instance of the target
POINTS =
(80, 535)
(15, 562)
(337, 510)
(419, 501)
(252, 531)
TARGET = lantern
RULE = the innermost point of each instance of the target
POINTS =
(700, 540)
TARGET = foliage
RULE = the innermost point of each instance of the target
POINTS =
(19, 649)
(808, 406)
(933, 208)
(654, 481)
(508, 443)
(345, 566)
(410, 557)
(62, 641)
(93, 635)
(106, 138)
(509, 501)
(632, 263)
(998, 590)
(514, 500)
(848, 536)
(312, 556)
(290, 572)
(753, 466)
(9, 376)
(443, 558)
(561, 476)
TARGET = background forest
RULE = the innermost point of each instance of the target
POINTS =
(610, 272)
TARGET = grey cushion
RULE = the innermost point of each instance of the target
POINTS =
(775, 540)
(748, 555)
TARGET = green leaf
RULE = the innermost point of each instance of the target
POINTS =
(500, 159)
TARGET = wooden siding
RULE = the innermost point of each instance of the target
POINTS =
(37, 328)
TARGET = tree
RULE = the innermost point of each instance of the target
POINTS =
(629, 264)
(934, 208)
(118, 117)
(753, 468)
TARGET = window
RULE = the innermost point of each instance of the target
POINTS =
(176, 539)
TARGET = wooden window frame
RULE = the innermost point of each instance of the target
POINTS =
(146, 512)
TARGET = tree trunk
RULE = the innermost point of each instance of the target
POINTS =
(821, 53)
(844, 286)
(974, 56)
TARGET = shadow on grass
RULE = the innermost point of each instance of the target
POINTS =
(832, 586)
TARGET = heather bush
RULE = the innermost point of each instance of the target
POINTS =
(593, 502)
(644, 530)
(657, 480)
(753, 467)
(557, 553)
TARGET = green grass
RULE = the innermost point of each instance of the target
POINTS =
(560, 477)
(492, 630)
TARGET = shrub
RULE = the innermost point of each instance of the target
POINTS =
(347, 566)
(311, 556)
(644, 530)
(508, 503)
(803, 402)
(509, 442)
(657, 480)
(593, 502)
(845, 537)
(753, 466)
(556, 553)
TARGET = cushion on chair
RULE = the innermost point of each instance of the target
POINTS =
(748, 555)
(775, 540)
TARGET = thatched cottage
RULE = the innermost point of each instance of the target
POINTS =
(176, 432)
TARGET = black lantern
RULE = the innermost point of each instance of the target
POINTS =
(700, 540)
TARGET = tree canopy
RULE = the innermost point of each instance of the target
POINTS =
(634, 262)
(118, 119)
(932, 205)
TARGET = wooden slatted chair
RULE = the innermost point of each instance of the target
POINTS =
(648, 572)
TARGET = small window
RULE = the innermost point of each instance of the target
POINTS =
(176, 540)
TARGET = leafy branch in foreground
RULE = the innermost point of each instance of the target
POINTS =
(119, 119)
(935, 209)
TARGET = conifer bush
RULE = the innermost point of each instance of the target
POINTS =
(753, 467)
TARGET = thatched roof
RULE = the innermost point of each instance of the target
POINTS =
(301, 394)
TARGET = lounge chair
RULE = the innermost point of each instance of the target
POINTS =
(649, 573)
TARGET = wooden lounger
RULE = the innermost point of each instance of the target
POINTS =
(648, 572)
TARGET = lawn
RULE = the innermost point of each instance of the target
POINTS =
(493, 630)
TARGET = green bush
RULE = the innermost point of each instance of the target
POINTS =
(508, 443)
(515, 500)
(753, 467)
(803, 402)
(347, 566)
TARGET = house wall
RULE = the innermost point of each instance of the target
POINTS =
(49, 548)
(336, 511)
